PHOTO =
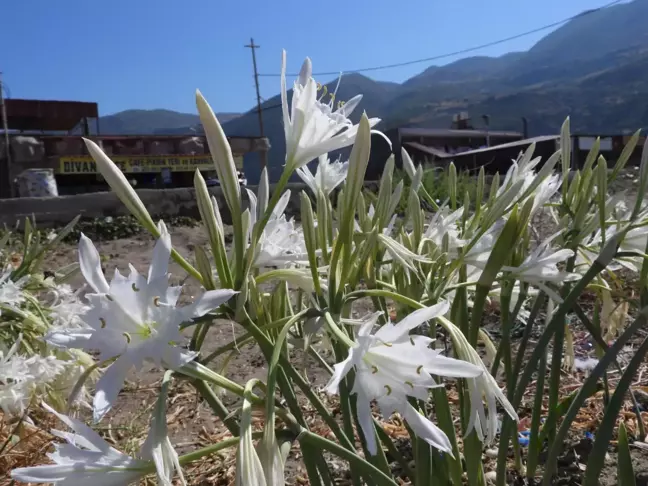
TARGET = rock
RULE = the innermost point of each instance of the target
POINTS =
(492, 453)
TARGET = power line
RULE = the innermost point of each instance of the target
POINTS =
(462, 51)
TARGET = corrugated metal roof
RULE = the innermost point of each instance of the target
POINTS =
(428, 150)
(517, 143)
(444, 155)
(453, 133)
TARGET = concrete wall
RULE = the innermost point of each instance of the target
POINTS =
(54, 211)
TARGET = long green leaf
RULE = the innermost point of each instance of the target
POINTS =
(596, 459)
(586, 390)
(625, 471)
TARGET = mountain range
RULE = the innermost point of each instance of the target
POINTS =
(593, 68)
(154, 122)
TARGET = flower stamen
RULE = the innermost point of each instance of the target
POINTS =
(127, 336)
(156, 301)
(134, 287)
(419, 369)
(374, 369)
(103, 322)
(389, 390)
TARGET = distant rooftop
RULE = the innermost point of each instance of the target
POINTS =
(444, 155)
(454, 133)
(42, 115)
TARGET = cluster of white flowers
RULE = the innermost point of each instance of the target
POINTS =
(135, 319)
(11, 293)
(23, 378)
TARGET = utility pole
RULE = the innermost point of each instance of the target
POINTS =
(5, 166)
(253, 47)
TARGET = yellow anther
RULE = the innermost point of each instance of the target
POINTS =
(156, 301)
(374, 369)
(410, 384)
(103, 322)
(319, 86)
(389, 390)
(419, 369)
(127, 336)
(341, 104)
(389, 345)
(134, 287)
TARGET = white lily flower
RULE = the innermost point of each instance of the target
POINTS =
(22, 377)
(281, 242)
(521, 169)
(133, 319)
(86, 459)
(313, 128)
(391, 365)
(66, 308)
(445, 223)
(635, 241)
(540, 267)
(478, 255)
(481, 387)
(545, 191)
(11, 293)
(327, 177)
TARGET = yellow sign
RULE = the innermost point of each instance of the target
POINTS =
(132, 164)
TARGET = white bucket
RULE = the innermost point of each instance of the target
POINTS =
(37, 183)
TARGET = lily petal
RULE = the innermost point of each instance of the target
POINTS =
(366, 421)
(161, 254)
(208, 301)
(109, 386)
(394, 332)
(90, 264)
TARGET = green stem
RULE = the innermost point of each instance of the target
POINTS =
(367, 469)
(534, 445)
(217, 406)
(393, 450)
(358, 294)
(186, 266)
(267, 347)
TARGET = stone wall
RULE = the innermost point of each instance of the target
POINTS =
(54, 211)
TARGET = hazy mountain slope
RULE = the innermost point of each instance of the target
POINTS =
(146, 122)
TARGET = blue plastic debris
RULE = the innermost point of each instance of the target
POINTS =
(523, 438)
(589, 435)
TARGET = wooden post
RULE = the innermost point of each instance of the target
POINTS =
(253, 47)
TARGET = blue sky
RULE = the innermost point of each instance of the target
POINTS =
(154, 54)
